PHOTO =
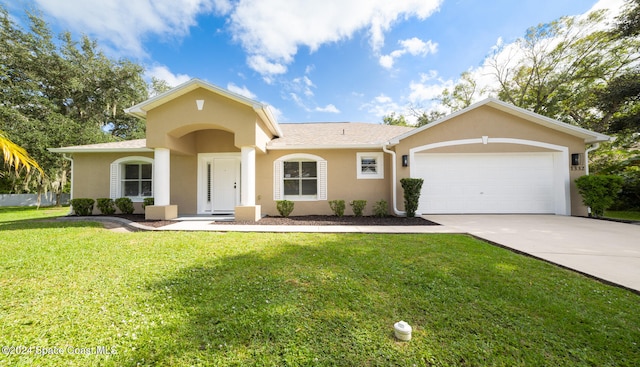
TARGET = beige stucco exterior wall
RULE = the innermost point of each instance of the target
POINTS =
(92, 170)
(342, 182)
(169, 123)
(488, 121)
(223, 126)
(91, 175)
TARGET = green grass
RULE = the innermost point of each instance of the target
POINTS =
(626, 215)
(212, 299)
(13, 214)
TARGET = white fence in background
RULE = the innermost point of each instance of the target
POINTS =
(47, 199)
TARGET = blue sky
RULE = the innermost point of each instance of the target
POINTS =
(330, 60)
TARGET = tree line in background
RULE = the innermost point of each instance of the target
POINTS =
(573, 70)
(56, 91)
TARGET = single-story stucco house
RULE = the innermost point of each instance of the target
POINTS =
(208, 150)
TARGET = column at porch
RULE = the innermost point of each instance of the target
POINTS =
(248, 176)
(162, 176)
(248, 210)
(161, 208)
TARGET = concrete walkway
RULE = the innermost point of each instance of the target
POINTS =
(208, 226)
(602, 249)
(606, 250)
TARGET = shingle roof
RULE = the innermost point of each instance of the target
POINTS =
(320, 135)
(335, 134)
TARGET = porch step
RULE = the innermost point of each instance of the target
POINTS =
(208, 218)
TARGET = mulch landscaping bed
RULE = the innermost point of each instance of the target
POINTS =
(307, 220)
(325, 220)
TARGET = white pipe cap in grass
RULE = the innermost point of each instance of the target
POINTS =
(402, 330)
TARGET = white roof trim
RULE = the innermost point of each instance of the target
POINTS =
(81, 149)
(587, 135)
(319, 147)
(140, 110)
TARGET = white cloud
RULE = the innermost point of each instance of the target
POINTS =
(123, 24)
(413, 46)
(299, 101)
(386, 61)
(274, 29)
(330, 108)
(614, 5)
(309, 69)
(262, 65)
(270, 31)
(163, 73)
(418, 47)
(243, 91)
(422, 93)
(382, 99)
(381, 106)
(430, 85)
(303, 85)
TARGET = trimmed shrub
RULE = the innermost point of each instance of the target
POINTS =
(381, 209)
(106, 206)
(599, 191)
(285, 207)
(629, 196)
(337, 206)
(411, 187)
(125, 205)
(147, 202)
(82, 206)
(358, 207)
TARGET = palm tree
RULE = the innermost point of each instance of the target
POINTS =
(17, 156)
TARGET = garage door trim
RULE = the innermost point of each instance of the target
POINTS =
(561, 164)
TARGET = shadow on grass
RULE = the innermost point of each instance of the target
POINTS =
(330, 303)
(45, 223)
(299, 306)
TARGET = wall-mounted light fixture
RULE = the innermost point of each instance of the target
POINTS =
(576, 159)
(405, 160)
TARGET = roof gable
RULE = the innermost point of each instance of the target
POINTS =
(264, 112)
(587, 135)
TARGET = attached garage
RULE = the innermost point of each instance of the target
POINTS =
(495, 158)
(491, 183)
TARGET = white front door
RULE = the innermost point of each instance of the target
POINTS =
(218, 183)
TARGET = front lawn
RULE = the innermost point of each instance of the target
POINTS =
(623, 214)
(97, 297)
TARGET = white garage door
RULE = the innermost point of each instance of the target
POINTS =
(486, 183)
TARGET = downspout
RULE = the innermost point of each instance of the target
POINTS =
(393, 181)
(586, 165)
(586, 157)
(70, 159)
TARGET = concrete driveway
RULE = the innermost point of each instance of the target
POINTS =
(603, 249)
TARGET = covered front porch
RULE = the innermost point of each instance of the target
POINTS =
(204, 141)
(224, 184)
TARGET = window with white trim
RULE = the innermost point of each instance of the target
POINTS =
(132, 177)
(299, 177)
(370, 165)
(137, 180)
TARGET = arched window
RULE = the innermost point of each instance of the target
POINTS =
(132, 177)
(300, 177)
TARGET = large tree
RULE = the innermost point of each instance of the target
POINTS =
(558, 69)
(61, 92)
(621, 97)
